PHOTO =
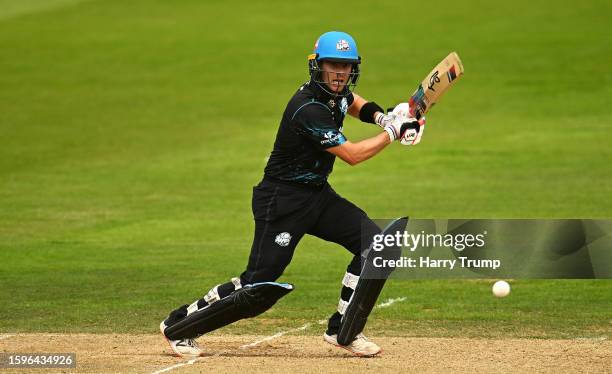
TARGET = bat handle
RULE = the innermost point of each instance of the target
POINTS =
(414, 111)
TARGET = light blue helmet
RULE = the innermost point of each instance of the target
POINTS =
(334, 46)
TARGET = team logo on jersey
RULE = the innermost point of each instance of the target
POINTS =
(342, 45)
(330, 137)
(344, 106)
(283, 239)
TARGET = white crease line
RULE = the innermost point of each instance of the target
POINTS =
(2, 337)
(190, 362)
(277, 335)
(384, 304)
(390, 302)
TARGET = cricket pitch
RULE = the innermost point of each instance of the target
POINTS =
(130, 353)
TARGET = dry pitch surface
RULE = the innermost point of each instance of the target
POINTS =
(123, 353)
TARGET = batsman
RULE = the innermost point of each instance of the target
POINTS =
(294, 198)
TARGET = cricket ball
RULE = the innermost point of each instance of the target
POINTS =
(501, 289)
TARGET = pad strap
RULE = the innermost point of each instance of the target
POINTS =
(342, 305)
(212, 295)
(193, 307)
(237, 284)
(350, 280)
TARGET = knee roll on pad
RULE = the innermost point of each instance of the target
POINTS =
(248, 301)
(367, 291)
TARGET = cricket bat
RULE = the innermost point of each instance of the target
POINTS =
(437, 82)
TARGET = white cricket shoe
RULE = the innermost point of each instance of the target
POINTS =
(361, 346)
(181, 347)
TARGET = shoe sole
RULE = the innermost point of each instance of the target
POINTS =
(353, 352)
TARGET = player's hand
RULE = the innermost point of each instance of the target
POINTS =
(383, 120)
(410, 138)
(413, 132)
(402, 110)
(406, 129)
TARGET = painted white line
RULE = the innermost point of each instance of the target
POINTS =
(275, 336)
(390, 302)
(2, 337)
(384, 304)
(190, 362)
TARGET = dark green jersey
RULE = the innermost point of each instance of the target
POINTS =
(311, 123)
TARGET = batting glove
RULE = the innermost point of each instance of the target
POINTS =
(412, 138)
(402, 110)
(405, 129)
(383, 120)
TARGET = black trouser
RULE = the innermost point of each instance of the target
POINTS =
(283, 213)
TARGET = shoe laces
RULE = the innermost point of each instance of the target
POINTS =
(361, 340)
(191, 343)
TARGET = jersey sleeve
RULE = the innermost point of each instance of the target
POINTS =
(350, 99)
(314, 121)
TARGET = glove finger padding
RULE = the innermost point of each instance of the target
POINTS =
(412, 132)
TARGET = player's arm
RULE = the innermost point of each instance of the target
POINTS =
(354, 153)
(358, 103)
(315, 122)
(400, 127)
(395, 126)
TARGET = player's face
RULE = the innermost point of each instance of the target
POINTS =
(336, 75)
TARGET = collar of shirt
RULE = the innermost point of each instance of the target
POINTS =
(324, 97)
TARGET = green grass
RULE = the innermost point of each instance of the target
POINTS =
(131, 133)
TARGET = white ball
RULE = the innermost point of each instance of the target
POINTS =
(501, 289)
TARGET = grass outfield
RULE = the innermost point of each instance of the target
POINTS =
(132, 131)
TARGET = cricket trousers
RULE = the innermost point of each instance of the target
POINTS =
(284, 212)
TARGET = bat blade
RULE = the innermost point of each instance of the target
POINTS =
(435, 84)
